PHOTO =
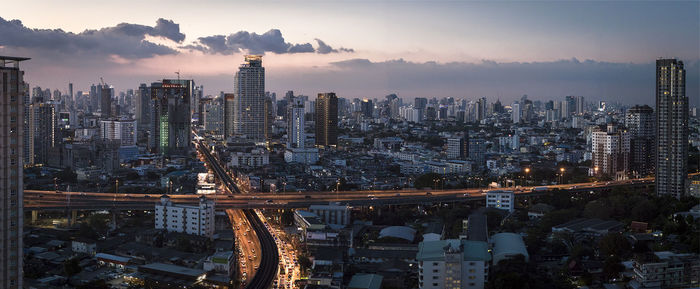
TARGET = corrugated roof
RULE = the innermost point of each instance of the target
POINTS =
(471, 250)
(366, 281)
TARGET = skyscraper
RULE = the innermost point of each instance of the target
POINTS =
(213, 116)
(106, 102)
(639, 121)
(143, 112)
(12, 90)
(170, 116)
(671, 128)
(367, 108)
(42, 131)
(229, 108)
(249, 117)
(515, 115)
(295, 126)
(326, 119)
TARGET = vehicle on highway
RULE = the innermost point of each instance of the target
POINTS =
(539, 189)
(397, 195)
(269, 201)
(146, 196)
(428, 193)
(307, 197)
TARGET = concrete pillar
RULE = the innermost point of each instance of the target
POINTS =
(114, 220)
(35, 216)
(73, 217)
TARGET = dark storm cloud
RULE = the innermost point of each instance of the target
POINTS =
(125, 40)
(244, 41)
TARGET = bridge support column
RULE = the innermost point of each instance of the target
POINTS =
(73, 217)
(113, 224)
(35, 216)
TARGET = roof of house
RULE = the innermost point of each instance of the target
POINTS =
(401, 232)
(471, 250)
(366, 281)
(508, 244)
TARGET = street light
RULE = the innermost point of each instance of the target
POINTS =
(561, 175)
(527, 171)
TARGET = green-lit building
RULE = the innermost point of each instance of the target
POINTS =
(170, 118)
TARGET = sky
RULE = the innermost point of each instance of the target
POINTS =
(464, 49)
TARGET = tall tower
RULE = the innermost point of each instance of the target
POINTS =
(249, 118)
(143, 112)
(515, 115)
(106, 102)
(327, 119)
(671, 128)
(12, 90)
(170, 117)
(229, 108)
(295, 128)
(639, 121)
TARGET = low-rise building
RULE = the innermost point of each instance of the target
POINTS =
(452, 264)
(193, 220)
(666, 270)
(221, 262)
(332, 214)
(502, 200)
(508, 246)
(87, 247)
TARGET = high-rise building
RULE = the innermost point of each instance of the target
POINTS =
(610, 151)
(189, 219)
(229, 108)
(477, 151)
(516, 114)
(213, 113)
(457, 148)
(671, 128)
(143, 112)
(367, 108)
(580, 105)
(249, 117)
(42, 131)
(106, 102)
(12, 96)
(327, 119)
(639, 121)
(420, 102)
(295, 126)
(170, 117)
(121, 131)
(481, 109)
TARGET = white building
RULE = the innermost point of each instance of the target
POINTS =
(333, 214)
(306, 156)
(452, 264)
(122, 130)
(666, 270)
(255, 158)
(296, 137)
(503, 200)
(193, 220)
(610, 151)
(516, 113)
(220, 262)
(89, 248)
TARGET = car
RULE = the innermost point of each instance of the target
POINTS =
(146, 196)
(428, 193)
(307, 197)
(397, 195)
(230, 196)
(41, 195)
(269, 201)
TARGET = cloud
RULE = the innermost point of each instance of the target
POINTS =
(324, 48)
(124, 40)
(625, 82)
(244, 41)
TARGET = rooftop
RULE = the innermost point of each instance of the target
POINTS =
(366, 281)
(471, 250)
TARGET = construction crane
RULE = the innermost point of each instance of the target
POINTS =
(178, 75)
(102, 81)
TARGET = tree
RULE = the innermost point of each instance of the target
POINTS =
(612, 267)
(614, 244)
(429, 180)
(71, 267)
(67, 175)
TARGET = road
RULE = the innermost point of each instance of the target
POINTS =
(34, 199)
(247, 245)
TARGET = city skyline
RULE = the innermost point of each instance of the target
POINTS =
(490, 49)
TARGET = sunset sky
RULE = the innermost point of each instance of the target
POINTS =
(602, 50)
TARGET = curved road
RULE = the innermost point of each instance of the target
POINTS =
(269, 258)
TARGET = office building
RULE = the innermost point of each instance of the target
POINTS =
(327, 119)
(477, 151)
(639, 121)
(170, 118)
(671, 128)
(516, 112)
(213, 116)
(249, 115)
(12, 96)
(367, 108)
(420, 102)
(502, 200)
(457, 148)
(193, 220)
(453, 264)
(332, 214)
(665, 269)
(610, 151)
(121, 131)
(295, 123)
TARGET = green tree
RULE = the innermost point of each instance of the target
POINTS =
(612, 267)
(614, 244)
(429, 180)
(71, 267)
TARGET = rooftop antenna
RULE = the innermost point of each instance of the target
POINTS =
(178, 75)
